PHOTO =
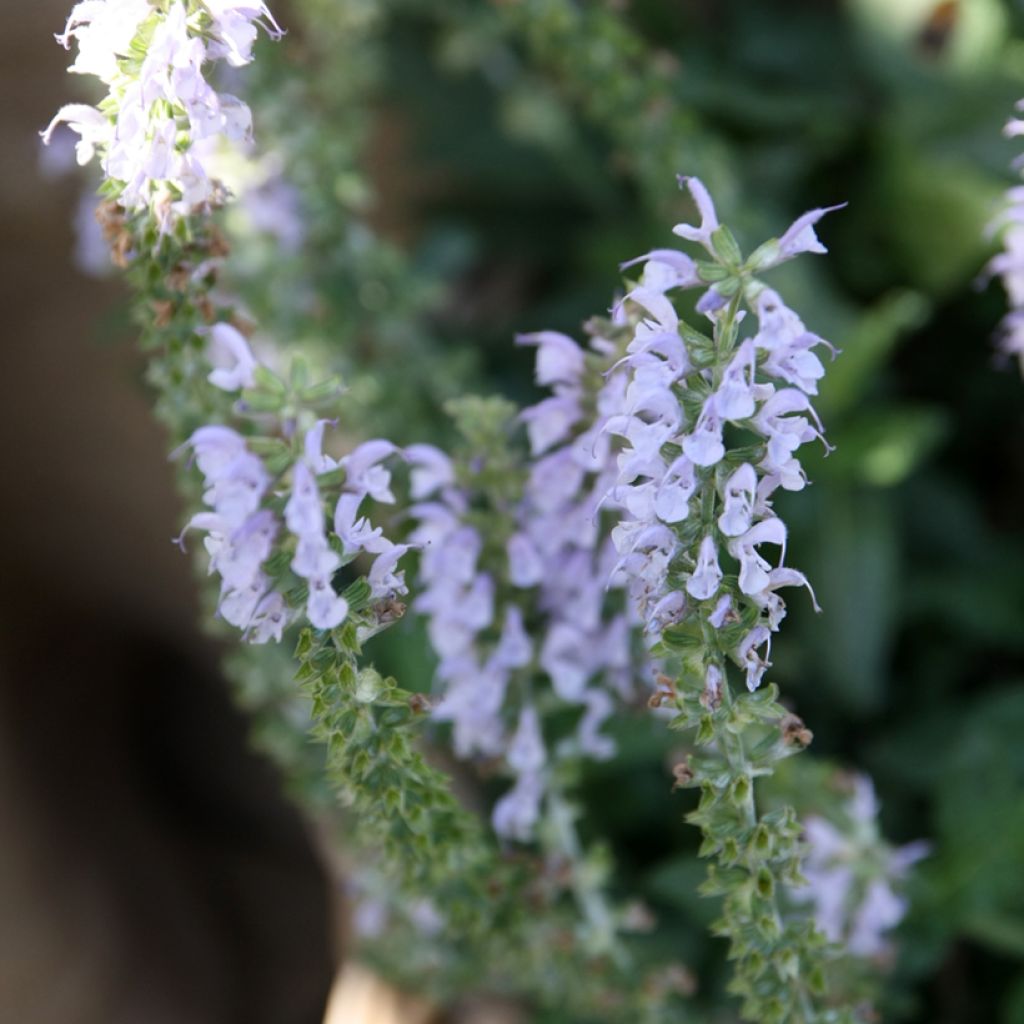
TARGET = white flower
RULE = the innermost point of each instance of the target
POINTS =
(232, 359)
(706, 578)
(104, 30)
(750, 660)
(559, 359)
(738, 507)
(704, 445)
(706, 209)
(93, 128)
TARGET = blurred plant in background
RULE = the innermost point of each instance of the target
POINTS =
(429, 180)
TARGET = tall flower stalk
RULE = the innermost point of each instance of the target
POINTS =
(713, 424)
(514, 585)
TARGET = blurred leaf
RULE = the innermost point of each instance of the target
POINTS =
(884, 446)
(867, 348)
(1013, 1007)
(857, 574)
(980, 819)
(676, 882)
(932, 210)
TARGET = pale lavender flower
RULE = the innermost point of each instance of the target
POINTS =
(753, 663)
(754, 569)
(233, 363)
(788, 343)
(514, 649)
(706, 209)
(525, 567)
(93, 129)
(314, 559)
(431, 470)
(592, 742)
(515, 814)
(385, 579)
(240, 535)
(556, 569)
(704, 446)
(707, 576)
(549, 422)
(739, 493)
(234, 26)
(161, 112)
(92, 251)
(664, 269)
(734, 399)
(269, 619)
(364, 473)
(559, 359)
(853, 876)
(800, 237)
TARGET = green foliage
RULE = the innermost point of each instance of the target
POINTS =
(777, 961)
(405, 808)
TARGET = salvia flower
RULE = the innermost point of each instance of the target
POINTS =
(543, 557)
(853, 877)
(711, 428)
(161, 114)
(254, 518)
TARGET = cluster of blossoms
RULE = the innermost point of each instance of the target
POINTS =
(851, 873)
(712, 426)
(543, 563)
(153, 131)
(1009, 264)
(160, 112)
(243, 524)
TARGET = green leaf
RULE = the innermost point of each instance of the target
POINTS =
(723, 241)
(865, 350)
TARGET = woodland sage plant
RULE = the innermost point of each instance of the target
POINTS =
(624, 541)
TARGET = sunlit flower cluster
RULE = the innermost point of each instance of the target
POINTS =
(161, 111)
